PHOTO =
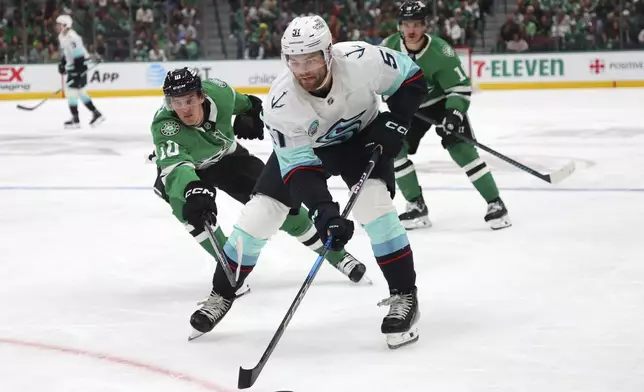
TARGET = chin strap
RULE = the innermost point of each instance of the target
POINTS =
(327, 77)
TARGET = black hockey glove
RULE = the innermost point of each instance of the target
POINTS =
(453, 121)
(249, 125)
(200, 204)
(328, 222)
(61, 66)
(388, 132)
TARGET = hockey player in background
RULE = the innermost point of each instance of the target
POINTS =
(446, 105)
(322, 113)
(196, 154)
(72, 62)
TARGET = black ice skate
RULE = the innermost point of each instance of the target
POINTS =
(497, 215)
(353, 269)
(74, 122)
(211, 312)
(416, 216)
(400, 323)
(97, 118)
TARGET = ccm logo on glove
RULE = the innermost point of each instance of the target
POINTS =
(200, 191)
(396, 127)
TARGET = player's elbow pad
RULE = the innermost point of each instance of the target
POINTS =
(404, 103)
(308, 185)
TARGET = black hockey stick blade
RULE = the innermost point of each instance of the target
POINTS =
(39, 104)
(247, 377)
(551, 178)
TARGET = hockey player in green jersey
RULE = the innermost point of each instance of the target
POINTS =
(196, 154)
(446, 105)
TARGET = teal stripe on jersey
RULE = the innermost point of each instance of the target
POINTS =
(291, 158)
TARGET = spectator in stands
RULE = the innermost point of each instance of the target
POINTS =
(139, 51)
(189, 11)
(508, 30)
(186, 29)
(157, 54)
(517, 44)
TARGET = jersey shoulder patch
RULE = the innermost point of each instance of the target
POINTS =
(218, 82)
(448, 51)
(170, 128)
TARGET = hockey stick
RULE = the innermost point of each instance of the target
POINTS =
(552, 178)
(52, 95)
(219, 254)
(247, 377)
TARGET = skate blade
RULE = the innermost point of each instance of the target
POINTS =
(194, 334)
(500, 223)
(417, 223)
(245, 289)
(365, 280)
(98, 121)
(398, 340)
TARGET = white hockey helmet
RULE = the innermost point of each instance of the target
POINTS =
(65, 20)
(307, 34)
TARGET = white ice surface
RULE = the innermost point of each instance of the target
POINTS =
(97, 279)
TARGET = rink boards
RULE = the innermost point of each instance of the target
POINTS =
(488, 72)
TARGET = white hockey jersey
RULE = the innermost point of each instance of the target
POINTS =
(72, 47)
(299, 122)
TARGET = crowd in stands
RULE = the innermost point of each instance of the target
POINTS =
(545, 25)
(112, 30)
(258, 24)
(163, 30)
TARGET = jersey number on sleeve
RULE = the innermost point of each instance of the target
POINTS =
(170, 150)
(389, 59)
(461, 74)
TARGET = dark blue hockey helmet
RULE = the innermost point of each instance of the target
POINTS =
(181, 81)
(413, 10)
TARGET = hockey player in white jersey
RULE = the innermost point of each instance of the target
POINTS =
(72, 62)
(322, 113)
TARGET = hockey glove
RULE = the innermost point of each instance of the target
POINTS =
(328, 222)
(200, 204)
(453, 121)
(249, 125)
(387, 131)
(61, 67)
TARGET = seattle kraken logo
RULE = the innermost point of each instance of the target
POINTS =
(342, 130)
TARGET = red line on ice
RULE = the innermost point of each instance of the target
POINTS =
(117, 360)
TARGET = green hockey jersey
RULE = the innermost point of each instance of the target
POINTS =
(443, 72)
(182, 149)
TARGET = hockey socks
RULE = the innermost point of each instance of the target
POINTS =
(300, 226)
(73, 108)
(467, 157)
(392, 251)
(89, 104)
(220, 282)
(406, 177)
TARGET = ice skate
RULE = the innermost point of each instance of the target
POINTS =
(72, 123)
(97, 118)
(400, 323)
(497, 215)
(353, 269)
(212, 311)
(416, 216)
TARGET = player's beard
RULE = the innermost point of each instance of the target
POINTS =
(312, 81)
